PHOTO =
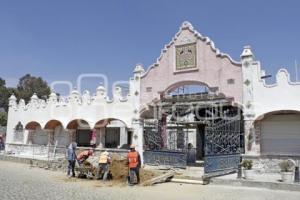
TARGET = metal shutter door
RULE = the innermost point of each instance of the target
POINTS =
(280, 135)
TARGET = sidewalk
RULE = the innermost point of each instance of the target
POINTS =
(193, 175)
(266, 180)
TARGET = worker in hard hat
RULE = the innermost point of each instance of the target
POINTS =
(104, 162)
(134, 164)
(82, 156)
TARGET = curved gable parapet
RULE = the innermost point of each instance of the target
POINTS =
(282, 95)
(188, 26)
(282, 78)
(191, 56)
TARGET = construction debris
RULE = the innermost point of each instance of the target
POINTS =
(120, 172)
(160, 179)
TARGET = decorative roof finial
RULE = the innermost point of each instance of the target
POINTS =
(12, 97)
(247, 52)
(139, 68)
(187, 24)
(74, 91)
(34, 96)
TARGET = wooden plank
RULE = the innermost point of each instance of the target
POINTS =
(160, 179)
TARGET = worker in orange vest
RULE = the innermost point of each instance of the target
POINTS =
(134, 164)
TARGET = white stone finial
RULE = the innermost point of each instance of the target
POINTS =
(86, 92)
(101, 91)
(34, 96)
(53, 97)
(100, 88)
(12, 97)
(75, 91)
(139, 68)
(247, 52)
(53, 94)
(12, 101)
(187, 24)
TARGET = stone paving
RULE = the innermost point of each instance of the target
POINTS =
(19, 181)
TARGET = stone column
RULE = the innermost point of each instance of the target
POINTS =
(101, 144)
(72, 135)
(123, 136)
(257, 133)
(250, 138)
(50, 137)
(30, 136)
(138, 134)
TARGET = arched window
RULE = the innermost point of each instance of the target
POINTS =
(19, 132)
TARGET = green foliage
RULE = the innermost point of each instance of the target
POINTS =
(4, 95)
(26, 87)
(29, 84)
(2, 82)
(3, 118)
(247, 164)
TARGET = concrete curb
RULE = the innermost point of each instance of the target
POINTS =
(256, 184)
(186, 181)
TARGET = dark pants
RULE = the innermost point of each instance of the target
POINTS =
(2, 146)
(103, 169)
(134, 172)
(71, 167)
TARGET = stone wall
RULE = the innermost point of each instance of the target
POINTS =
(59, 164)
(268, 164)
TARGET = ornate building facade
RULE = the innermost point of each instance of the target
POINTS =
(155, 115)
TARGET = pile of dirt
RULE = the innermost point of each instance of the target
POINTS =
(119, 170)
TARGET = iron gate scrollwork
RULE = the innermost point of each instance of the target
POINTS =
(169, 150)
(223, 146)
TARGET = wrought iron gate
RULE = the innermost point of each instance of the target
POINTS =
(224, 142)
(169, 151)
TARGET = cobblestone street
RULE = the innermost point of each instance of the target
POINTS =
(19, 181)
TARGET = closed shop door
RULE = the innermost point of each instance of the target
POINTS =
(112, 137)
(83, 138)
(280, 135)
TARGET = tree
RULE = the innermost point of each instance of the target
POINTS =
(3, 118)
(4, 95)
(2, 82)
(29, 84)
(26, 87)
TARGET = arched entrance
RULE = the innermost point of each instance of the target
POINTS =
(56, 132)
(80, 132)
(180, 119)
(278, 133)
(113, 133)
(36, 135)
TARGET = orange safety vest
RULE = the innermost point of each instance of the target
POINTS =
(133, 159)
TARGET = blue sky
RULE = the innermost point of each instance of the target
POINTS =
(60, 39)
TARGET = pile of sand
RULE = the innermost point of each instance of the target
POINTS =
(119, 169)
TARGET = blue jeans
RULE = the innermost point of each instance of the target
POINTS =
(134, 172)
(71, 167)
(103, 169)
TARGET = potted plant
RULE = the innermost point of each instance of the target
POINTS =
(287, 170)
(247, 166)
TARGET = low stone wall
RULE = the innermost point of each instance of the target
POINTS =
(57, 164)
(268, 164)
